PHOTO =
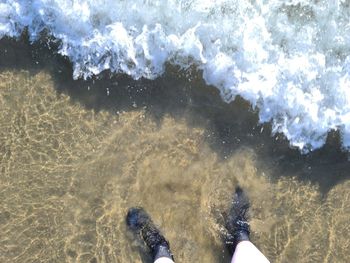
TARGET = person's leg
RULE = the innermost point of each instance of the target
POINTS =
(246, 252)
(238, 229)
(140, 222)
(163, 260)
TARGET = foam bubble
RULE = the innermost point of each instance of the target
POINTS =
(288, 58)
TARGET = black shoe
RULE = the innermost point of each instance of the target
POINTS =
(140, 222)
(237, 220)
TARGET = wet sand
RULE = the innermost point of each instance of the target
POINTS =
(74, 155)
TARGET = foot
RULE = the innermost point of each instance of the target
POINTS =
(237, 221)
(140, 222)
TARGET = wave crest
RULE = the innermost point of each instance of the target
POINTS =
(288, 58)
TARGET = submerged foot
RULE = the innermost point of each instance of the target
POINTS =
(237, 220)
(140, 222)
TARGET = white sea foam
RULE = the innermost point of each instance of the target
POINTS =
(289, 58)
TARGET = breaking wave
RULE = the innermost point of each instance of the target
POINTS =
(290, 59)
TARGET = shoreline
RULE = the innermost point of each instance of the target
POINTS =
(74, 159)
(230, 126)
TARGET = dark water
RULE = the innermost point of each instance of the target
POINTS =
(74, 155)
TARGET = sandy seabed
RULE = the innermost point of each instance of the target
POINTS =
(73, 161)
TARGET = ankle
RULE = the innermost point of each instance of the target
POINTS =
(241, 231)
(237, 221)
(139, 221)
(163, 252)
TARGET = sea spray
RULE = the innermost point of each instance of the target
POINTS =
(290, 59)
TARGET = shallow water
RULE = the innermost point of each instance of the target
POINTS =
(73, 159)
(289, 59)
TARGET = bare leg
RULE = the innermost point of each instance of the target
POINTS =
(246, 252)
(238, 229)
(163, 260)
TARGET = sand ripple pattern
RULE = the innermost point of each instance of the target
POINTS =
(68, 175)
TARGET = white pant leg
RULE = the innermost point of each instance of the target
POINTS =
(246, 252)
(163, 260)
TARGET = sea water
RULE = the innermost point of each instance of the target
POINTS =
(69, 173)
(289, 59)
(75, 154)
